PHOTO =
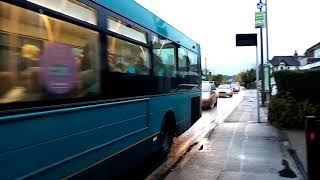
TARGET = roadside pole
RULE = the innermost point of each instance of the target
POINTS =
(206, 68)
(260, 23)
(257, 84)
(267, 50)
(251, 40)
(260, 5)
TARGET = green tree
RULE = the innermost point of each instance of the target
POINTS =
(247, 77)
(219, 79)
(209, 77)
(239, 78)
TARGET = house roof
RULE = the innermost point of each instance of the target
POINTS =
(314, 47)
(289, 60)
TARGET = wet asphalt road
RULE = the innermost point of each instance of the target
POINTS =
(209, 119)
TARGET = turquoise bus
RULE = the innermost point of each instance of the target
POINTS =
(90, 88)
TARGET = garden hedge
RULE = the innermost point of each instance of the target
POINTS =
(301, 84)
(298, 96)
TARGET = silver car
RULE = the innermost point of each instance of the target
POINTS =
(224, 90)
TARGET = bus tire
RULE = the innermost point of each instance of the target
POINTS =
(167, 135)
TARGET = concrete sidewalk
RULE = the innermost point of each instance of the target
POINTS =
(297, 141)
(239, 149)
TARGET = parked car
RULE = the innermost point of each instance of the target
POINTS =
(235, 86)
(209, 95)
(212, 82)
(224, 90)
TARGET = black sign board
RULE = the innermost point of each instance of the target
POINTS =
(246, 39)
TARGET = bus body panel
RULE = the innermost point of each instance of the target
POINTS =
(44, 140)
(86, 135)
(74, 138)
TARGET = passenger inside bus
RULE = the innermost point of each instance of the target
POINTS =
(183, 66)
(88, 76)
(24, 36)
(159, 69)
(30, 55)
(138, 67)
(171, 68)
(29, 68)
(139, 64)
(113, 65)
(131, 68)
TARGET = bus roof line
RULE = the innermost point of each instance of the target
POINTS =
(150, 21)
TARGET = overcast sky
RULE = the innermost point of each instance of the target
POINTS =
(293, 25)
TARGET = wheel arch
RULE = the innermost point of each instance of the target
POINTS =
(170, 119)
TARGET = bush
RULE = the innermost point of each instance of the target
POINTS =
(297, 97)
(301, 84)
(285, 111)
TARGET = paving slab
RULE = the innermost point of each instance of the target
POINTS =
(298, 143)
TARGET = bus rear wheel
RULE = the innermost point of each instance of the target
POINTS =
(167, 135)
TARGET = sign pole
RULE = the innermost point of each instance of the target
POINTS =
(262, 63)
(251, 40)
(267, 49)
(257, 82)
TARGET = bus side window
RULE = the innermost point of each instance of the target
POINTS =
(159, 68)
(48, 58)
(183, 63)
(126, 57)
(123, 56)
(164, 57)
(193, 59)
(193, 71)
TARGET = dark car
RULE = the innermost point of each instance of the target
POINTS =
(209, 95)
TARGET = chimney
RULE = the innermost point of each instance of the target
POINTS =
(295, 56)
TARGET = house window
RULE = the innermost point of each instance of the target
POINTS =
(317, 53)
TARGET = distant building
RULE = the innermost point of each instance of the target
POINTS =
(286, 62)
(312, 58)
